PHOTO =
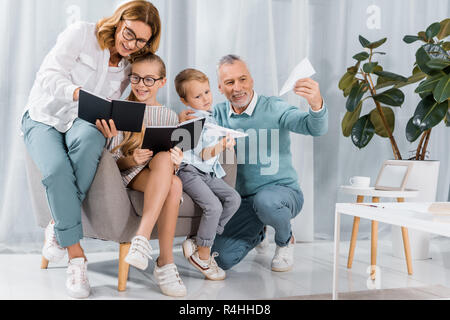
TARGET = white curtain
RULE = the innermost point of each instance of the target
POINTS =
(272, 36)
(334, 30)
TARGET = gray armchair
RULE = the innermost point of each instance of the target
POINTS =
(112, 212)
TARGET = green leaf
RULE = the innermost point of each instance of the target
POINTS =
(377, 122)
(391, 76)
(412, 131)
(429, 113)
(364, 42)
(376, 44)
(445, 29)
(349, 88)
(429, 84)
(447, 116)
(438, 64)
(422, 36)
(369, 67)
(361, 56)
(442, 90)
(391, 97)
(362, 132)
(427, 52)
(350, 119)
(415, 77)
(356, 93)
(410, 39)
(346, 80)
(446, 46)
(433, 30)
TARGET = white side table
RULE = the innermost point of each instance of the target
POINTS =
(376, 195)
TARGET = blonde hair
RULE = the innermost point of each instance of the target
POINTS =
(186, 76)
(133, 140)
(137, 10)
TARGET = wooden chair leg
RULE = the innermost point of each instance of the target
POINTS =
(406, 245)
(374, 240)
(123, 267)
(44, 263)
(351, 251)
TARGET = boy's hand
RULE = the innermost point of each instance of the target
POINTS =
(141, 156)
(228, 142)
(107, 131)
(185, 115)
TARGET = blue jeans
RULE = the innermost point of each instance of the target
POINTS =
(273, 205)
(68, 163)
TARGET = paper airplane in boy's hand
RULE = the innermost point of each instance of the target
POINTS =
(303, 70)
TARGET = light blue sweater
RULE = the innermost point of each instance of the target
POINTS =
(264, 157)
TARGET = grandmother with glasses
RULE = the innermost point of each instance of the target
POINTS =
(66, 149)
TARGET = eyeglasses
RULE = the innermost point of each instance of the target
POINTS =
(129, 35)
(148, 81)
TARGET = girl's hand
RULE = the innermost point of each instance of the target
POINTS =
(176, 155)
(141, 156)
(108, 131)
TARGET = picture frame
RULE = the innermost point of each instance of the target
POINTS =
(393, 175)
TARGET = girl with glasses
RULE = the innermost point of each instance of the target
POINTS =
(154, 175)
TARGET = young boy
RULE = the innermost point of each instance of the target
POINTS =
(201, 175)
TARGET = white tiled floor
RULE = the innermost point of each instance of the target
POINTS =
(21, 277)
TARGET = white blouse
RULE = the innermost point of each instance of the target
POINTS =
(75, 61)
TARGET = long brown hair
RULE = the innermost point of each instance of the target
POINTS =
(133, 140)
(139, 10)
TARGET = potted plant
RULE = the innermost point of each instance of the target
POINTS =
(433, 59)
(432, 66)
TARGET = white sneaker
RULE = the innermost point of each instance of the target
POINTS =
(209, 267)
(169, 280)
(189, 247)
(52, 251)
(139, 253)
(77, 283)
(262, 247)
(283, 259)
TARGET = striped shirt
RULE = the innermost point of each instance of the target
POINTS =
(154, 116)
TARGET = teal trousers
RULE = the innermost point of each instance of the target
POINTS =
(68, 163)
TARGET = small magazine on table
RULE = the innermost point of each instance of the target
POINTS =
(127, 115)
(184, 136)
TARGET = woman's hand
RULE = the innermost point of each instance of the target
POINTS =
(176, 155)
(108, 131)
(141, 156)
(76, 94)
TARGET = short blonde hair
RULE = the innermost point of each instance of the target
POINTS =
(137, 10)
(186, 76)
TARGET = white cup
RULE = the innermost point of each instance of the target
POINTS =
(360, 182)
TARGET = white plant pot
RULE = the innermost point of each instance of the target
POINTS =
(423, 177)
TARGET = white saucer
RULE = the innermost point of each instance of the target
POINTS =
(359, 188)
